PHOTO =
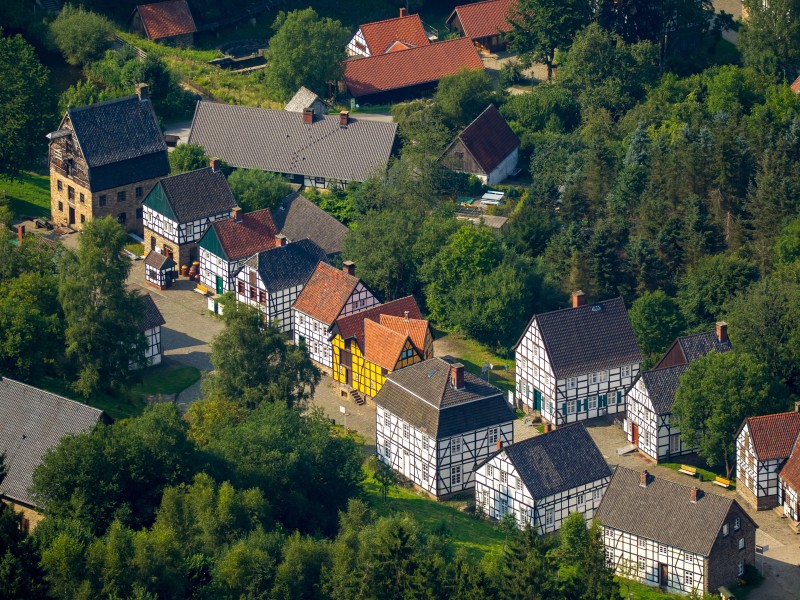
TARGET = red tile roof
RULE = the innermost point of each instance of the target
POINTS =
(166, 19)
(381, 35)
(790, 472)
(326, 293)
(382, 345)
(396, 70)
(352, 326)
(489, 139)
(482, 19)
(254, 233)
(796, 86)
(416, 329)
(774, 435)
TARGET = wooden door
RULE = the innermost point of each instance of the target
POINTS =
(537, 399)
(346, 376)
(663, 575)
(635, 434)
(220, 289)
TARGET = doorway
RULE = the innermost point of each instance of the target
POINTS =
(168, 252)
(635, 434)
(663, 575)
(219, 286)
(71, 215)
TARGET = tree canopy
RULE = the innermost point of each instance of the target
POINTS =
(81, 35)
(255, 189)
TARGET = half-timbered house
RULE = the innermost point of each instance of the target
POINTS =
(329, 294)
(159, 270)
(322, 152)
(487, 148)
(543, 479)
(436, 423)
(170, 22)
(104, 159)
(371, 344)
(482, 22)
(300, 219)
(227, 244)
(575, 364)
(33, 422)
(180, 208)
(650, 426)
(763, 445)
(152, 320)
(789, 488)
(272, 280)
(670, 535)
(389, 35)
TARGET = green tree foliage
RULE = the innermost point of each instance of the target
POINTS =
(538, 27)
(187, 157)
(81, 35)
(463, 96)
(656, 320)
(254, 363)
(770, 39)
(305, 50)
(547, 107)
(26, 108)
(255, 189)
(713, 397)
(786, 249)
(528, 569)
(103, 334)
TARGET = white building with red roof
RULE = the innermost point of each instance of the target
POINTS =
(482, 22)
(389, 35)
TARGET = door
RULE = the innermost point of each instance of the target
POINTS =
(71, 215)
(168, 252)
(152, 243)
(220, 289)
(635, 434)
(346, 376)
(662, 575)
(537, 399)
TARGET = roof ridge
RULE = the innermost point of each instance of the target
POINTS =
(780, 414)
(27, 385)
(406, 16)
(432, 45)
(73, 109)
(587, 305)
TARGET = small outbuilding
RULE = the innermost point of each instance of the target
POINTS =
(159, 270)
(170, 22)
(152, 320)
(305, 99)
(482, 22)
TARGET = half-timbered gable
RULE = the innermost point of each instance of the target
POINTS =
(168, 21)
(104, 159)
(159, 270)
(436, 423)
(673, 536)
(272, 280)
(763, 445)
(329, 294)
(575, 364)
(33, 422)
(482, 22)
(650, 426)
(300, 219)
(180, 208)
(152, 320)
(544, 478)
(789, 487)
(368, 346)
(328, 151)
(487, 148)
(389, 35)
(228, 243)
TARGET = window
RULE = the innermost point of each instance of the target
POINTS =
(240, 287)
(724, 530)
(70, 193)
(662, 549)
(641, 566)
(737, 524)
(122, 217)
(741, 543)
(406, 430)
(83, 218)
(121, 196)
(59, 185)
(572, 383)
(425, 473)
(596, 494)
(455, 445)
(581, 499)
(519, 483)
(603, 376)
(521, 364)
(592, 402)
(570, 406)
(102, 200)
(387, 420)
(489, 471)
(549, 516)
(688, 579)
(524, 514)
(642, 543)
(455, 475)
(675, 443)
(503, 477)
(167, 227)
(139, 192)
(388, 451)
(594, 377)
(60, 206)
(138, 213)
(493, 435)
(425, 441)
(82, 198)
(262, 297)
(253, 293)
(740, 568)
(625, 371)
(609, 533)
(355, 373)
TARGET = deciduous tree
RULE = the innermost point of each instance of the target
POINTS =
(656, 320)
(770, 38)
(255, 189)
(81, 35)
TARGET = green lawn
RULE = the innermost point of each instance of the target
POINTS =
(704, 474)
(478, 537)
(473, 355)
(639, 591)
(28, 194)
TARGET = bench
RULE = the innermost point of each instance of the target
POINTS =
(722, 482)
(687, 470)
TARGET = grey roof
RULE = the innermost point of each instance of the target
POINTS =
(158, 261)
(588, 338)
(663, 511)
(421, 395)
(33, 421)
(279, 141)
(198, 194)
(304, 98)
(661, 385)
(557, 461)
(152, 316)
(298, 218)
(287, 266)
(698, 345)
(121, 141)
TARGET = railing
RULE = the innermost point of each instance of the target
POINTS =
(139, 52)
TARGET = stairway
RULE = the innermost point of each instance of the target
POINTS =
(357, 398)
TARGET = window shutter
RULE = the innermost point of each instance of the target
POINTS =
(564, 408)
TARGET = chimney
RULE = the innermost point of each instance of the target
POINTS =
(308, 116)
(349, 267)
(282, 241)
(499, 444)
(457, 376)
(20, 233)
(236, 214)
(722, 331)
(214, 164)
(403, 13)
(344, 118)
(797, 407)
(644, 478)
(143, 91)
(578, 299)
(695, 494)
(405, 315)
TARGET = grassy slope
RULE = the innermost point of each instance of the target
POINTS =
(473, 355)
(29, 194)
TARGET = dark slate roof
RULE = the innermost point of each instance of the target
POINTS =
(489, 139)
(663, 511)
(287, 266)
(661, 385)
(421, 395)
(158, 261)
(197, 194)
(298, 219)
(31, 422)
(698, 345)
(588, 338)
(279, 141)
(152, 316)
(557, 461)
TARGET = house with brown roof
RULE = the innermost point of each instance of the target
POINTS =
(227, 244)
(789, 488)
(673, 536)
(329, 294)
(408, 73)
(763, 446)
(482, 22)
(487, 148)
(170, 22)
(372, 343)
(298, 218)
(389, 35)
(159, 270)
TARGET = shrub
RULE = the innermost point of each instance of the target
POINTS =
(80, 35)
